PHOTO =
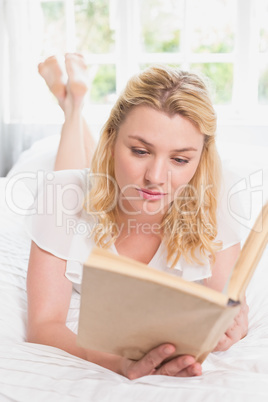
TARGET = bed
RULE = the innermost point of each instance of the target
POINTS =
(32, 372)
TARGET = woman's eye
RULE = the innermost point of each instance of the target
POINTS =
(181, 161)
(137, 151)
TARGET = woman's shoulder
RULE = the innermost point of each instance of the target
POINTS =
(57, 221)
(42, 181)
(69, 177)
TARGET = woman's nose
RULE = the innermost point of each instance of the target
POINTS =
(156, 172)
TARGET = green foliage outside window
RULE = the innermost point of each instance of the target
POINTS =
(263, 40)
(263, 87)
(221, 77)
(104, 85)
(169, 45)
(53, 11)
(160, 25)
(93, 32)
(218, 47)
(94, 35)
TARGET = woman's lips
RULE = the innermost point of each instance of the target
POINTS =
(151, 195)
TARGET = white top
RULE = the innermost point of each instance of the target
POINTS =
(57, 223)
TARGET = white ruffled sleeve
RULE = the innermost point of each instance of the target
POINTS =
(56, 220)
(230, 229)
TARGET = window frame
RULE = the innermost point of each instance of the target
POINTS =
(246, 58)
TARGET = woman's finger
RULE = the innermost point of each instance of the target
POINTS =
(176, 365)
(236, 331)
(191, 371)
(149, 362)
(223, 344)
(183, 366)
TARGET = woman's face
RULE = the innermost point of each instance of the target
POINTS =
(155, 156)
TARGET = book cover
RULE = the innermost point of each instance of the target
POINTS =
(128, 308)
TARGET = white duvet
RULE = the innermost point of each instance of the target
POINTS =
(32, 372)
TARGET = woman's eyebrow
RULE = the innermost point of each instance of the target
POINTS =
(151, 145)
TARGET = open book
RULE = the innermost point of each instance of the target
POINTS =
(128, 308)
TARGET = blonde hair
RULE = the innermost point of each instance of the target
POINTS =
(173, 92)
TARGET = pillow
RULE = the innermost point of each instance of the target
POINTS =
(41, 155)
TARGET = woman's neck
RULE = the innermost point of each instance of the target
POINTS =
(139, 223)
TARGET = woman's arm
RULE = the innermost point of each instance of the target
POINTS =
(221, 271)
(49, 294)
(222, 267)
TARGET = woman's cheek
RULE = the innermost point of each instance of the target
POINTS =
(182, 179)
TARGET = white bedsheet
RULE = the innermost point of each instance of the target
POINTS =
(31, 372)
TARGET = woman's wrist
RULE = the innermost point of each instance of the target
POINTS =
(111, 362)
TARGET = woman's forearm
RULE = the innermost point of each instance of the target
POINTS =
(58, 335)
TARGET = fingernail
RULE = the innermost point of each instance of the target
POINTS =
(168, 350)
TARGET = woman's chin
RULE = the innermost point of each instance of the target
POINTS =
(149, 208)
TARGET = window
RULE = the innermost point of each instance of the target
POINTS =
(227, 40)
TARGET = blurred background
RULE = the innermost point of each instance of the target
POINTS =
(226, 40)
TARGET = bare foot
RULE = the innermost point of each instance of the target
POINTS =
(77, 84)
(51, 71)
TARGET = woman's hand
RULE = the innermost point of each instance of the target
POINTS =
(236, 331)
(152, 364)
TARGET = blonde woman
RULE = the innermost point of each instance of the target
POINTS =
(151, 191)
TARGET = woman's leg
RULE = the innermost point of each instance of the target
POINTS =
(76, 144)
